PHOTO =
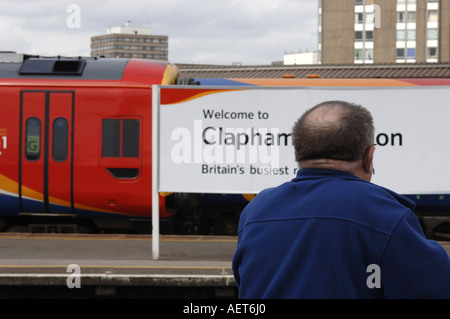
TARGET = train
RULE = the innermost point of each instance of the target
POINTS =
(76, 150)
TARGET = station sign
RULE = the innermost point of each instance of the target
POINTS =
(238, 139)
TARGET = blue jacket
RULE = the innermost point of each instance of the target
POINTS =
(323, 235)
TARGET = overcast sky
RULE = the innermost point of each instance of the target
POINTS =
(200, 31)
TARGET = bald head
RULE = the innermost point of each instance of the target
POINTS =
(333, 130)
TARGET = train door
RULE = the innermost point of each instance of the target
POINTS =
(46, 152)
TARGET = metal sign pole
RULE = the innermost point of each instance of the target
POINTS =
(155, 173)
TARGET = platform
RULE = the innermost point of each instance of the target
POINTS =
(116, 266)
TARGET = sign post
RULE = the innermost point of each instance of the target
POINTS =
(155, 173)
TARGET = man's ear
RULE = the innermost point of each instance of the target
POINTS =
(368, 159)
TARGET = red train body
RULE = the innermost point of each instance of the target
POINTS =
(75, 137)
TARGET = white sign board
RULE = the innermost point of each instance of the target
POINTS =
(238, 139)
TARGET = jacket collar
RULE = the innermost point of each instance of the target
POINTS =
(313, 173)
(309, 174)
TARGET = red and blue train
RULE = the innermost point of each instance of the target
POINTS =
(75, 148)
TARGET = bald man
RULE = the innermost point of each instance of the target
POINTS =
(330, 232)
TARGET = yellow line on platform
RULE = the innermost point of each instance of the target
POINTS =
(114, 267)
(193, 238)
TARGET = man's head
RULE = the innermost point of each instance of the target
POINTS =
(335, 132)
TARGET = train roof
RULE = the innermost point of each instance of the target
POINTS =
(21, 66)
(87, 69)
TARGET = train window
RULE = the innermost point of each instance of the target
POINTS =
(52, 66)
(111, 138)
(33, 139)
(120, 137)
(130, 138)
(60, 139)
(69, 66)
(124, 172)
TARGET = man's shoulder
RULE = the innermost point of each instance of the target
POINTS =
(348, 185)
(345, 198)
(377, 193)
(335, 188)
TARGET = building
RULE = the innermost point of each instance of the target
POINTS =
(129, 41)
(300, 58)
(384, 31)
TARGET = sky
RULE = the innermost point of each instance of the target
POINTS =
(250, 32)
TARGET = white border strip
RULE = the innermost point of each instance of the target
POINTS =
(155, 172)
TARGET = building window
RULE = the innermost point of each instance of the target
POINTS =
(358, 35)
(411, 54)
(432, 34)
(33, 139)
(400, 53)
(368, 54)
(408, 54)
(364, 31)
(411, 35)
(363, 36)
(411, 16)
(60, 139)
(406, 35)
(406, 31)
(403, 16)
(431, 52)
(370, 17)
(432, 16)
(359, 17)
(432, 43)
(120, 137)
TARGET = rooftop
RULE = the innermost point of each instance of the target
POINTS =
(323, 71)
(128, 28)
